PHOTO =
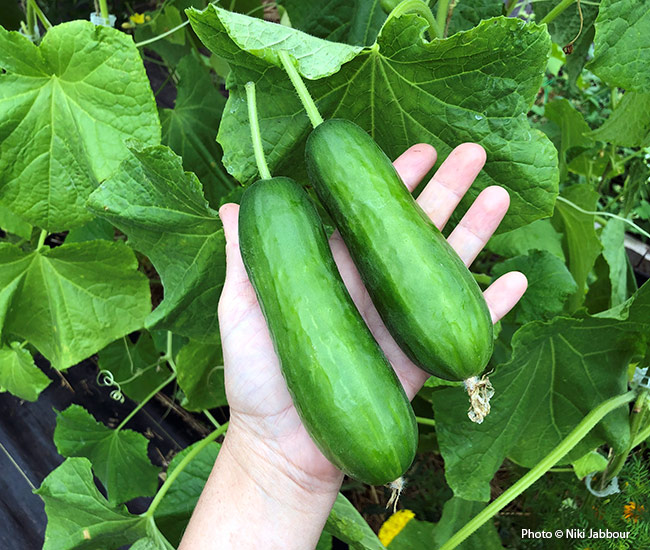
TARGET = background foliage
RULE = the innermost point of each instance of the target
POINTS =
(116, 151)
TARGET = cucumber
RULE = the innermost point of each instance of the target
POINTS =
(344, 389)
(425, 295)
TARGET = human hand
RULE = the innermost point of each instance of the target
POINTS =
(264, 421)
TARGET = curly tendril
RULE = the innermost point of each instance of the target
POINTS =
(105, 378)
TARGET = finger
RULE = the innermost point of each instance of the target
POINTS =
(414, 163)
(451, 181)
(235, 271)
(479, 223)
(504, 293)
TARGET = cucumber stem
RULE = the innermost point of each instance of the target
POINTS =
(303, 93)
(256, 136)
(543, 466)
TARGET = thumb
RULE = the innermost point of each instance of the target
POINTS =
(236, 276)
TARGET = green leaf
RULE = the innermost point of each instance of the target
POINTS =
(622, 43)
(456, 513)
(119, 458)
(612, 237)
(11, 223)
(389, 90)
(190, 129)
(539, 235)
(97, 229)
(18, 373)
(72, 300)
(629, 124)
(324, 542)
(79, 517)
(355, 22)
(581, 242)
(163, 212)
(348, 525)
(469, 14)
(200, 376)
(549, 285)
(592, 462)
(175, 509)
(559, 371)
(573, 129)
(66, 108)
(135, 367)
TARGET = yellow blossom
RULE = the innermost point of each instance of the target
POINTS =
(632, 511)
(137, 18)
(393, 525)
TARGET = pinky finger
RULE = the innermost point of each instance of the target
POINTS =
(504, 293)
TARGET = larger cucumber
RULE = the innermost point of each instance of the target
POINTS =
(346, 393)
(426, 296)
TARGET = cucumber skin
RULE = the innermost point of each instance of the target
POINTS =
(425, 295)
(344, 389)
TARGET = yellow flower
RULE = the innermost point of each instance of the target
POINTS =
(393, 525)
(137, 18)
(632, 511)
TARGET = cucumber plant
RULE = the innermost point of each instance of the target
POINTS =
(105, 234)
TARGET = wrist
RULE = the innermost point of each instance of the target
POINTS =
(263, 461)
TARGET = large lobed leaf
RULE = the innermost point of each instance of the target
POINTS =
(71, 301)
(18, 373)
(66, 108)
(119, 457)
(559, 371)
(475, 86)
(79, 517)
(622, 44)
(162, 210)
(190, 128)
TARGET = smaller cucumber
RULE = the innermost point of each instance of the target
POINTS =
(344, 389)
(425, 295)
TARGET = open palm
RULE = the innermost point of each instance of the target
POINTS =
(261, 408)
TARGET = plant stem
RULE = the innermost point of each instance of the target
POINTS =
(158, 37)
(643, 435)
(103, 8)
(41, 239)
(31, 20)
(543, 466)
(181, 466)
(425, 421)
(441, 18)
(482, 278)
(557, 10)
(256, 136)
(637, 419)
(145, 401)
(39, 13)
(304, 95)
(607, 214)
(212, 419)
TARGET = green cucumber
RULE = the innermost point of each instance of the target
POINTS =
(425, 295)
(344, 389)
